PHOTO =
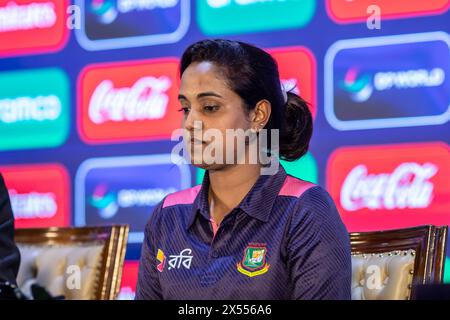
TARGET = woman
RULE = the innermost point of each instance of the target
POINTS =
(243, 234)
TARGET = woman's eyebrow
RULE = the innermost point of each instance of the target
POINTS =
(200, 95)
(207, 94)
(182, 97)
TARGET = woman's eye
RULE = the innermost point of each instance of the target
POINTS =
(211, 108)
(184, 109)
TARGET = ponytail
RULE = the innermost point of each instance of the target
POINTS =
(298, 128)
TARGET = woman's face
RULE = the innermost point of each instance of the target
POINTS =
(208, 102)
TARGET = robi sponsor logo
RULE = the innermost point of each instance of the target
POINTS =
(391, 186)
(128, 101)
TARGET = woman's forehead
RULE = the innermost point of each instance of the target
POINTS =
(199, 70)
(200, 77)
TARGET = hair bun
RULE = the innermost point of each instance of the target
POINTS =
(294, 142)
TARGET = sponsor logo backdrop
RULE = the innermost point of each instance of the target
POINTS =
(86, 114)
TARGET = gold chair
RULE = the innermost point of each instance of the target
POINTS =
(387, 265)
(78, 263)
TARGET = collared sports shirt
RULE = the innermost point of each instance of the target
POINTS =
(285, 240)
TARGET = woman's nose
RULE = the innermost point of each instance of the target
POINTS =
(192, 121)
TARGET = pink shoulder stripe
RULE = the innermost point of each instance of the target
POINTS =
(186, 196)
(294, 187)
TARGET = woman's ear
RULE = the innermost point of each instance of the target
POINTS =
(261, 114)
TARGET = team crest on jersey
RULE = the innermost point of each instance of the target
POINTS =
(254, 261)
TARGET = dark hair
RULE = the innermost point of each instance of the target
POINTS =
(253, 74)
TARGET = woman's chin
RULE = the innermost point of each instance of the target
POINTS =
(206, 166)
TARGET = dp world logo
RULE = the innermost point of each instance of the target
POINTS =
(105, 10)
(385, 82)
(126, 189)
(104, 201)
(112, 24)
(357, 84)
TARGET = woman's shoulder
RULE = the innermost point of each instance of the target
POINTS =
(181, 197)
(316, 196)
(163, 210)
(304, 191)
(311, 199)
(316, 213)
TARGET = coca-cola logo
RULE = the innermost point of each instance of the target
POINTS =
(128, 101)
(147, 99)
(408, 186)
(391, 186)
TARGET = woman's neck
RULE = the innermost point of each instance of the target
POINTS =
(229, 186)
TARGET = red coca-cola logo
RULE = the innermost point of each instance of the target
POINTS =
(128, 101)
(391, 186)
